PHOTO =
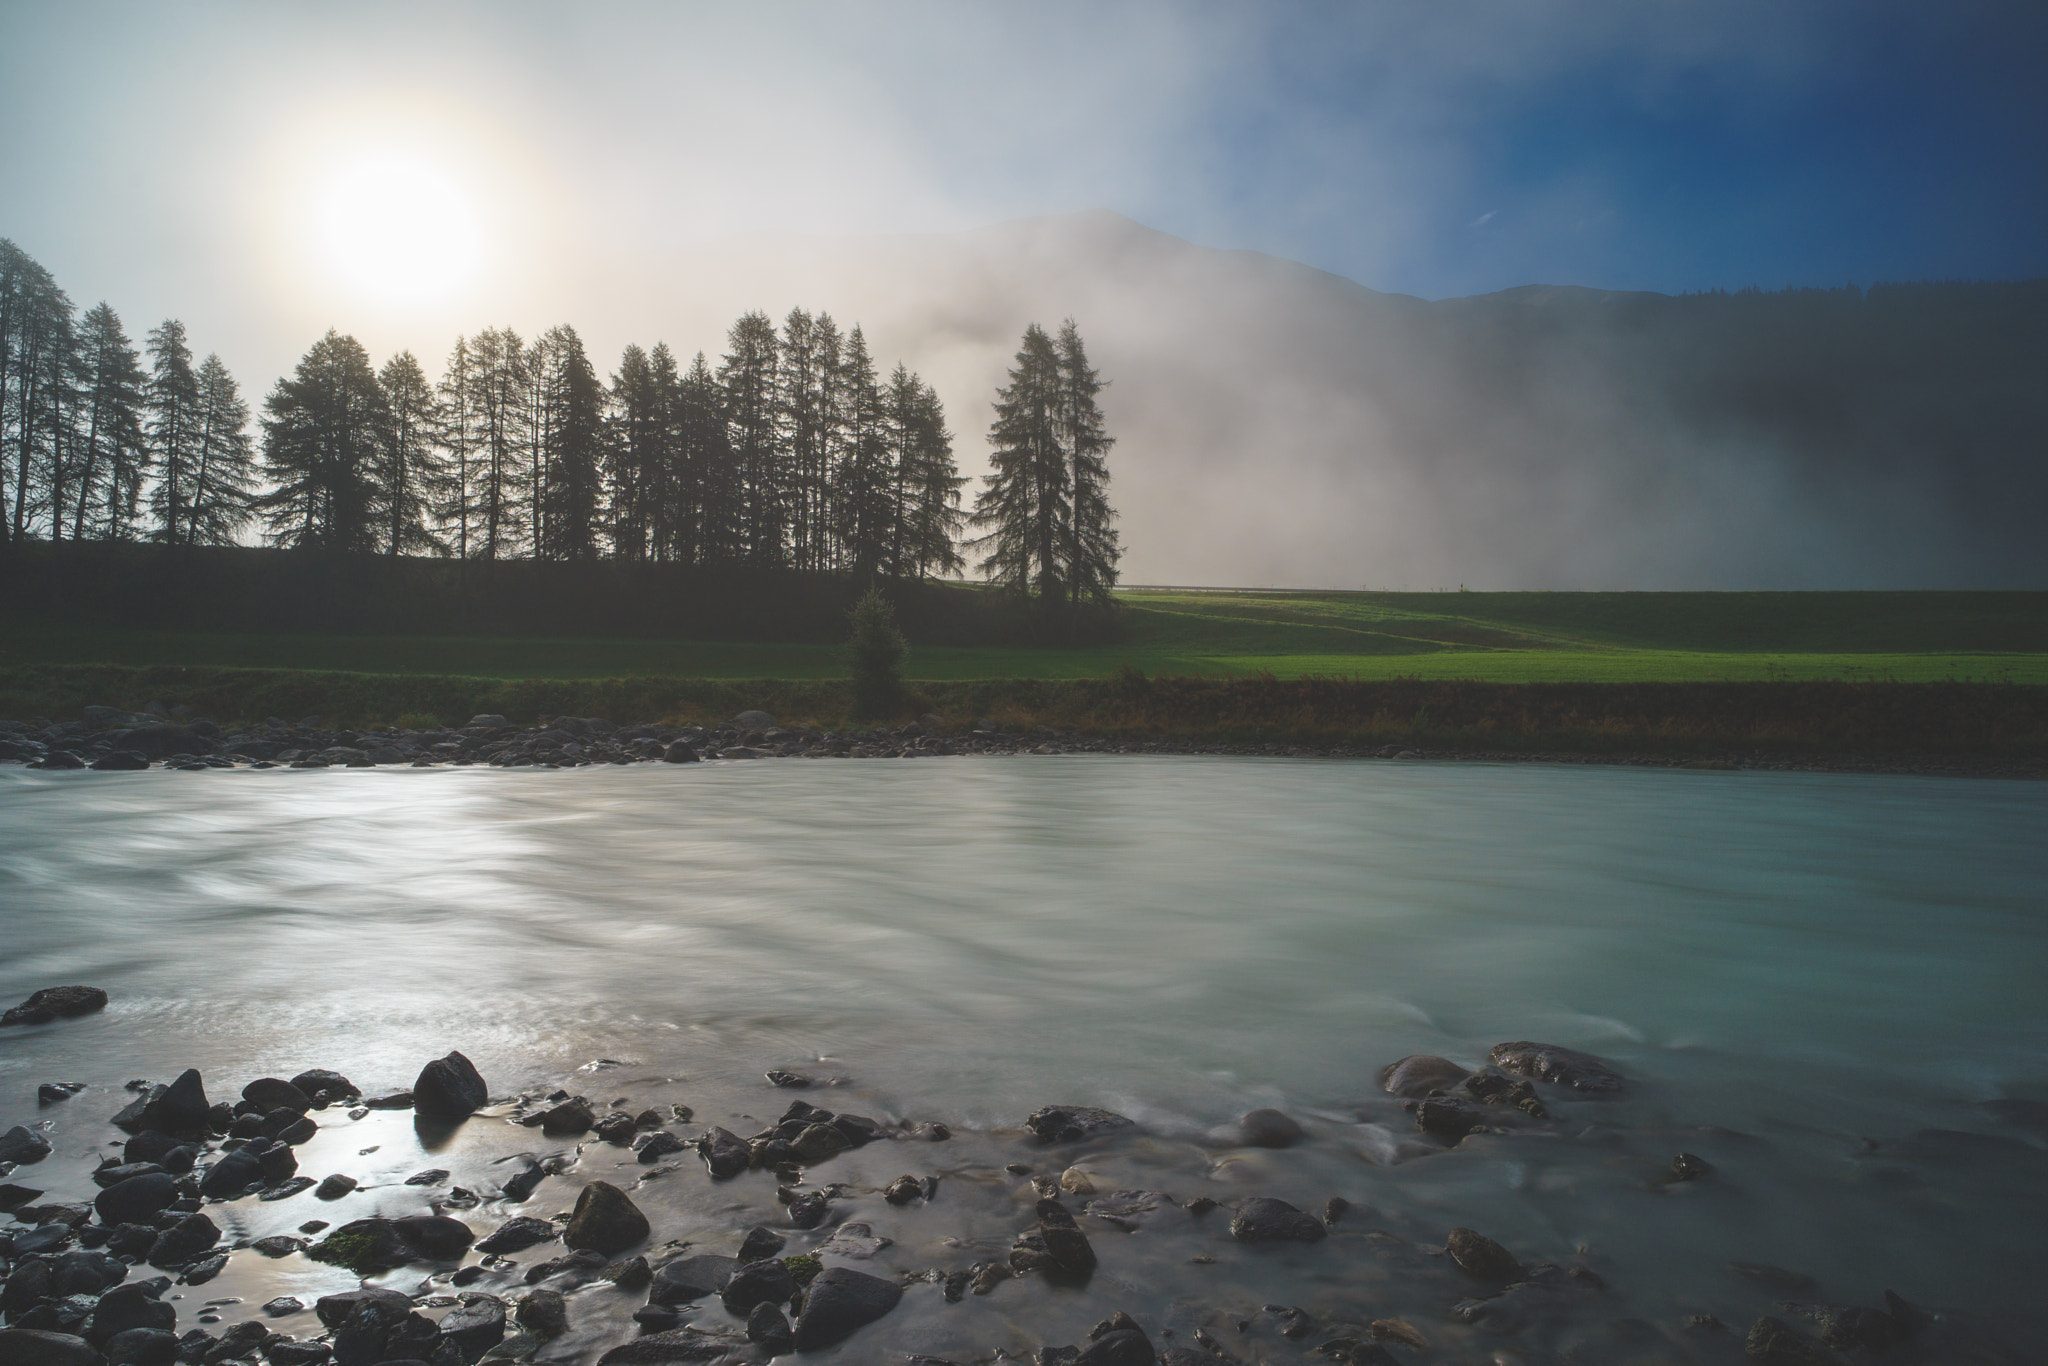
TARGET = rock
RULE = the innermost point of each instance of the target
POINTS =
(1776, 1343)
(760, 1242)
(767, 1326)
(434, 1237)
(161, 742)
(1582, 1072)
(1480, 1256)
(1421, 1074)
(59, 759)
(819, 1143)
(128, 1307)
(1448, 1118)
(572, 1116)
(724, 1152)
(57, 1092)
(378, 1331)
(475, 1326)
(605, 1220)
(333, 1310)
(1073, 1123)
(679, 752)
(763, 1282)
(323, 1086)
(334, 1187)
(274, 1093)
(676, 1345)
(278, 1245)
(692, 1278)
(22, 1146)
(56, 1003)
(181, 1108)
(13, 1197)
(1852, 1326)
(449, 1088)
(903, 1190)
(659, 1145)
(630, 1274)
(137, 1199)
(364, 1246)
(33, 1347)
(1686, 1167)
(233, 1174)
(487, 721)
(1265, 1220)
(619, 1128)
(1119, 1347)
(792, 1081)
(146, 1347)
(754, 720)
(120, 761)
(184, 1242)
(1269, 1129)
(517, 1235)
(1066, 1251)
(82, 1272)
(284, 1306)
(839, 1302)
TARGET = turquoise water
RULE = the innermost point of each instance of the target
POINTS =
(1821, 964)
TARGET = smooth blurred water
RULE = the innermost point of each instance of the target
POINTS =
(1815, 960)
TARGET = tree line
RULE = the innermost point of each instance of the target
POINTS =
(792, 453)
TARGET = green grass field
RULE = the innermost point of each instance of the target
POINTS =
(1486, 637)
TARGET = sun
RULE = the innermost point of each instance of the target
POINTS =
(397, 229)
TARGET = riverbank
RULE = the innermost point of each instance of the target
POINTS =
(1932, 727)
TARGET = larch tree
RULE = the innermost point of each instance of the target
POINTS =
(412, 476)
(458, 437)
(223, 469)
(573, 452)
(708, 466)
(500, 390)
(928, 482)
(748, 378)
(171, 405)
(322, 444)
(635, 483)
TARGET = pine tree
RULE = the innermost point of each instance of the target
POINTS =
(1026, 500)
(748, 378)
(110, 448)
(1092, 550)
(711, 518)
(499, 396)
(223, 469)
(321, 449)
(412, 476)
(172, 404)
(573, 452)
(637, 489)
(458, 436)
(928, 482)
(874, 653)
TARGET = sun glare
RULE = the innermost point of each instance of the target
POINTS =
(397, 230)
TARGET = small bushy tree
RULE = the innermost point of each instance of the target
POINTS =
(876, 652)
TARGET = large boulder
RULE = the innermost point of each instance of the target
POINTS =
(33, 1347)
(275, 1093)
(191, 1238)
(840, 1301)
(324, 1086)
(56, 1003)
(20, 1145)
(517, 1235)
(180, 1108)
(1073, 1123)
(434, 1237)
(128, 1307)
(691, 1278)
(1560, 1066)
(1420, 1074)
(333, 1310)
(138, 1199)
(763, 1282)
(605, 1220)
(449, 1088)
(475, 1326)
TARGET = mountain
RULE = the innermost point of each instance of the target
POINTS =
(1279, 425)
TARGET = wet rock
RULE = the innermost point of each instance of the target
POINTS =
(334, 1187)
(120, 761)
(660, 1144)
(147, 1347)
(1776, 1277)
(432, 1176)
(679, 752)
(57, 1092)
(753, 720)
(274, 1093)
(284, 1306)
(1777, 1343)
(675, 1346)
(184, 1242)
(724, 1152)
(631, 1273)
(572, 1116)
(377, 1331)
(1853, 1326)
(521, 1185)
(33, 1347)
(605, 1220)
(760, 1242)
(181, 1108)
(1122, 1347)
(903, 1190)
(517, 1235)
(1419, 1075)
(22, 1146)
(1269, 1129)
(364, 1246)
(289, 1126)
(763, 1282)
(161, 742)
(434, 1237)
(767, 1326)
(1056, 1247)
(86, 1273)
(1073, 1123)
(1560, 1066)
(838, 1303)
(56, 1004)
(475, 1325)
(236, 1173)
(13, 1197)
(1480, 1256)
(858, 1130)
(1686, 1167)
(808, 1209)
(128, 1307)
(691, 1278)
(790, 1080)
(449, 1088)
(1493, 1088)
(323, 1086)
(1262, 1219)
(819, 1143)
(1447, 1118)
(333, 1310)
(136, 1199)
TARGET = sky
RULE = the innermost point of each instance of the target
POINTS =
(410, 172)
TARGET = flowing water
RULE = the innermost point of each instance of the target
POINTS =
(1801, 975)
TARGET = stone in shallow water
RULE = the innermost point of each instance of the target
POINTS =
(1262, 1219)
(1560, 1066)
(449, 1088)
(1269, 1129)
(839, 1302)
(605, 1220)
(691, 1278)
(1420, 1074)
(1073, 1123)
(1478, 1255)
(516, 1235)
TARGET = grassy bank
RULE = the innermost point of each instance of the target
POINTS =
(1816, 718)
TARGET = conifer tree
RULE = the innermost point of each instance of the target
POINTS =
(572, 450)
(500, 374)
(172, 405)
(637, 489)
(458, 436)
(412, 475)
(864, 485)
(1026, 500)
(110, 442)
(321, 449)
(748, 378)
(928, 482)
(710, 526)
(223, 471)
(1092, 550)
